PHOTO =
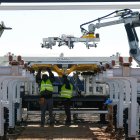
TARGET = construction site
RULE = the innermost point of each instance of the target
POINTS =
(102, 101)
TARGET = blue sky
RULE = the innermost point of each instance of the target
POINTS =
(30, 27)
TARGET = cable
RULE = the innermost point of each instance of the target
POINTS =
(127, 11)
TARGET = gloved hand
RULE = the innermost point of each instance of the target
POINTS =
(32, 71)
(79, 93)
(40, 69)
(48, 69)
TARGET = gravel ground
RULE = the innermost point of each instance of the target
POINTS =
(62, 132)
(88, 129)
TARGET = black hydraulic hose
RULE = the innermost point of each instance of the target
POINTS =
(98, 19)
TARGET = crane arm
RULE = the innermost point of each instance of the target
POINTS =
(130, 20)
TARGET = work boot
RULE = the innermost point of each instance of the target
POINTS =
(67, 122)
(41, 125)
(51, 123)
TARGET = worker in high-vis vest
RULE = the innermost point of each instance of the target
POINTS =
(66, 94)
(46, 98)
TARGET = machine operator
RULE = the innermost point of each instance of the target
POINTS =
(46, 91)
(66, 94)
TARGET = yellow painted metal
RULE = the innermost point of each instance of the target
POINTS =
(61, 71)
(89, 36)
(87, 67)
(73, 68)
(36, 67)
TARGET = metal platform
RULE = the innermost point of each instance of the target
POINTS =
(73, 111)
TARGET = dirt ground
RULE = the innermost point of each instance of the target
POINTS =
(62, 132)
(88, 129)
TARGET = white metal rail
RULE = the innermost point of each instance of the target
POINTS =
(83, 6)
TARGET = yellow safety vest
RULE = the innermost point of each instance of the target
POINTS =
(46, 86)
(66, 93)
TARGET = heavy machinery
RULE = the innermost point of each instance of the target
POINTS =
(123, 84)
(126, 16)
(129, 18)
(94, 90)
(69, 41)
(97, 81)
(82, 72)
(95, 78)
